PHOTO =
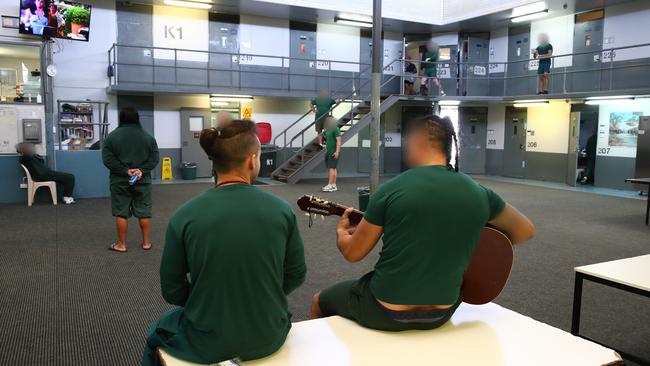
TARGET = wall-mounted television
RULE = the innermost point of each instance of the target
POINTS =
(55, 19)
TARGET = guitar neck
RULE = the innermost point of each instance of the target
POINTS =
(355, 216)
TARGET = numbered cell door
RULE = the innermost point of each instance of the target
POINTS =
(447, 70)
(472, 138)
(588, 44)
(520, 80)
(514, 147)
(574, 149)
(193, 121)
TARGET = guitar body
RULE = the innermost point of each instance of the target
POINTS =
(488, 270)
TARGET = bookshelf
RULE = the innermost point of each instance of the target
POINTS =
(81, 124)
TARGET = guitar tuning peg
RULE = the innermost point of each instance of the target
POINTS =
(322, 217)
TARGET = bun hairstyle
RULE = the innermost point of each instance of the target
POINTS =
(441, 134)
(229, 146)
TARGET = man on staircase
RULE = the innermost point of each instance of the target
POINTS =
(333, 147)
(321, 105)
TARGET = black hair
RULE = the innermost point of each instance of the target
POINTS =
(228, 146)
(441, 134)
(129, 116)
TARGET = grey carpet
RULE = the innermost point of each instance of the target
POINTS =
(67, 300)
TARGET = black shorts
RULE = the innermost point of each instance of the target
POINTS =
(330, 161)
(320, 122)
(131, 200)
(354, 300)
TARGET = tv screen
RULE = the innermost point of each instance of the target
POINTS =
(55, 18)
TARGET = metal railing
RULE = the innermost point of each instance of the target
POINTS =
(186, 69)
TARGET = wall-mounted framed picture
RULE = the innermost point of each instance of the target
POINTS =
(10, 22)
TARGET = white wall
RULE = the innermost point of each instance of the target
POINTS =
(180, 28)
(167, 116)
(560, 32)
(445, 39)
(548, 128)
(498, 49)
(626, 25)
(82, 65)
(263, 36)
(623, 145)
(496, 126)
(340, 43)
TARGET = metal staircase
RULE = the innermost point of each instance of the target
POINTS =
(312, 154)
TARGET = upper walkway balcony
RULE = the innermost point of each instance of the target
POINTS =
(135, 69)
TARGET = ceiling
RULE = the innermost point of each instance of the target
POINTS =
(480, 24)
(17, 51)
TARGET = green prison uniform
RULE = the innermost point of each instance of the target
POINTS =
(544, 63)
(330, 145)
(432, 219)
(242, 250)
(323, 106)
(130, 147)
(430, 69)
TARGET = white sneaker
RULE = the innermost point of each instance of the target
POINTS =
(68, 200)
(333, 188)
(326, 188)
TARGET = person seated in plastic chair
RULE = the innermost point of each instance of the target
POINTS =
(40, 172)
(232, 255)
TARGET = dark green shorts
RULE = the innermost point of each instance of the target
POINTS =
(431, 72)
(353, 300)
(544, 68)
(127, 200)
(330, 162)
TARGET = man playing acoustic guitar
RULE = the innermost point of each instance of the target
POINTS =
(430, 217)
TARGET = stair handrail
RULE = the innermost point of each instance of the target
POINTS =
(286, 130)
(301, 133)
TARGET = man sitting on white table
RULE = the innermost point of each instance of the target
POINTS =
(431, 218)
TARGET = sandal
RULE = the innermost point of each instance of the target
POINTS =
(147, 248)
(113, 247)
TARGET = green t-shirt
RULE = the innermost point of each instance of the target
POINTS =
(428, 58)
(243, 251)
(130, 147)
(323, 105)
(542, 51)
(330, 139)
(432, 219)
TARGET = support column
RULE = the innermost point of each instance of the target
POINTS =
(377, 53)
(48, 103)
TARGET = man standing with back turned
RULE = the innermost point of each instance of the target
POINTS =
(130, 154)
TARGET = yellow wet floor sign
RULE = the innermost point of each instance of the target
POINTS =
(167, 169)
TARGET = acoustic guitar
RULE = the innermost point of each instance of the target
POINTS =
(487, 273)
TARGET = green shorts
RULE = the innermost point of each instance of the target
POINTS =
(431, 72)
(131, 200)
(354, 300)
(330, 162)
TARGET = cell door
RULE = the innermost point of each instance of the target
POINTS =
(574, 149)
(302, 69)
(587, 39)
(514, 149)
(476, 50)
(520, 80)
(193, 121)
(447, 70)
(472, 139)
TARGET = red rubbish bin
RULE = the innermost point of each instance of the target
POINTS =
(264, 132)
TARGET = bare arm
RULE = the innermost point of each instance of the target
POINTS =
(514, 224)
(355, 242)
(338, 147)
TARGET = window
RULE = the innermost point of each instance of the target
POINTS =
(20, 74)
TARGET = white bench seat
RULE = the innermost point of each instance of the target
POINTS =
(476, 335)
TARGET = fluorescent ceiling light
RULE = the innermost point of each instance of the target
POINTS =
(608, 101)
(231, 96)
(356, 23)
(449, 102)
(532, 16)
(189, 4)
(531, 103)
(622, 97)
(528, 9)
(219, 104)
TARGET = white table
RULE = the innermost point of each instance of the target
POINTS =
(487, 335)
(629, 274)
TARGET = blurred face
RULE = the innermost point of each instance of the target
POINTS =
(543, 39)
(323, 94)
(416, 145)
(39, 4)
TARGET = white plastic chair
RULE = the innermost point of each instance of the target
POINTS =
(33, 186)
